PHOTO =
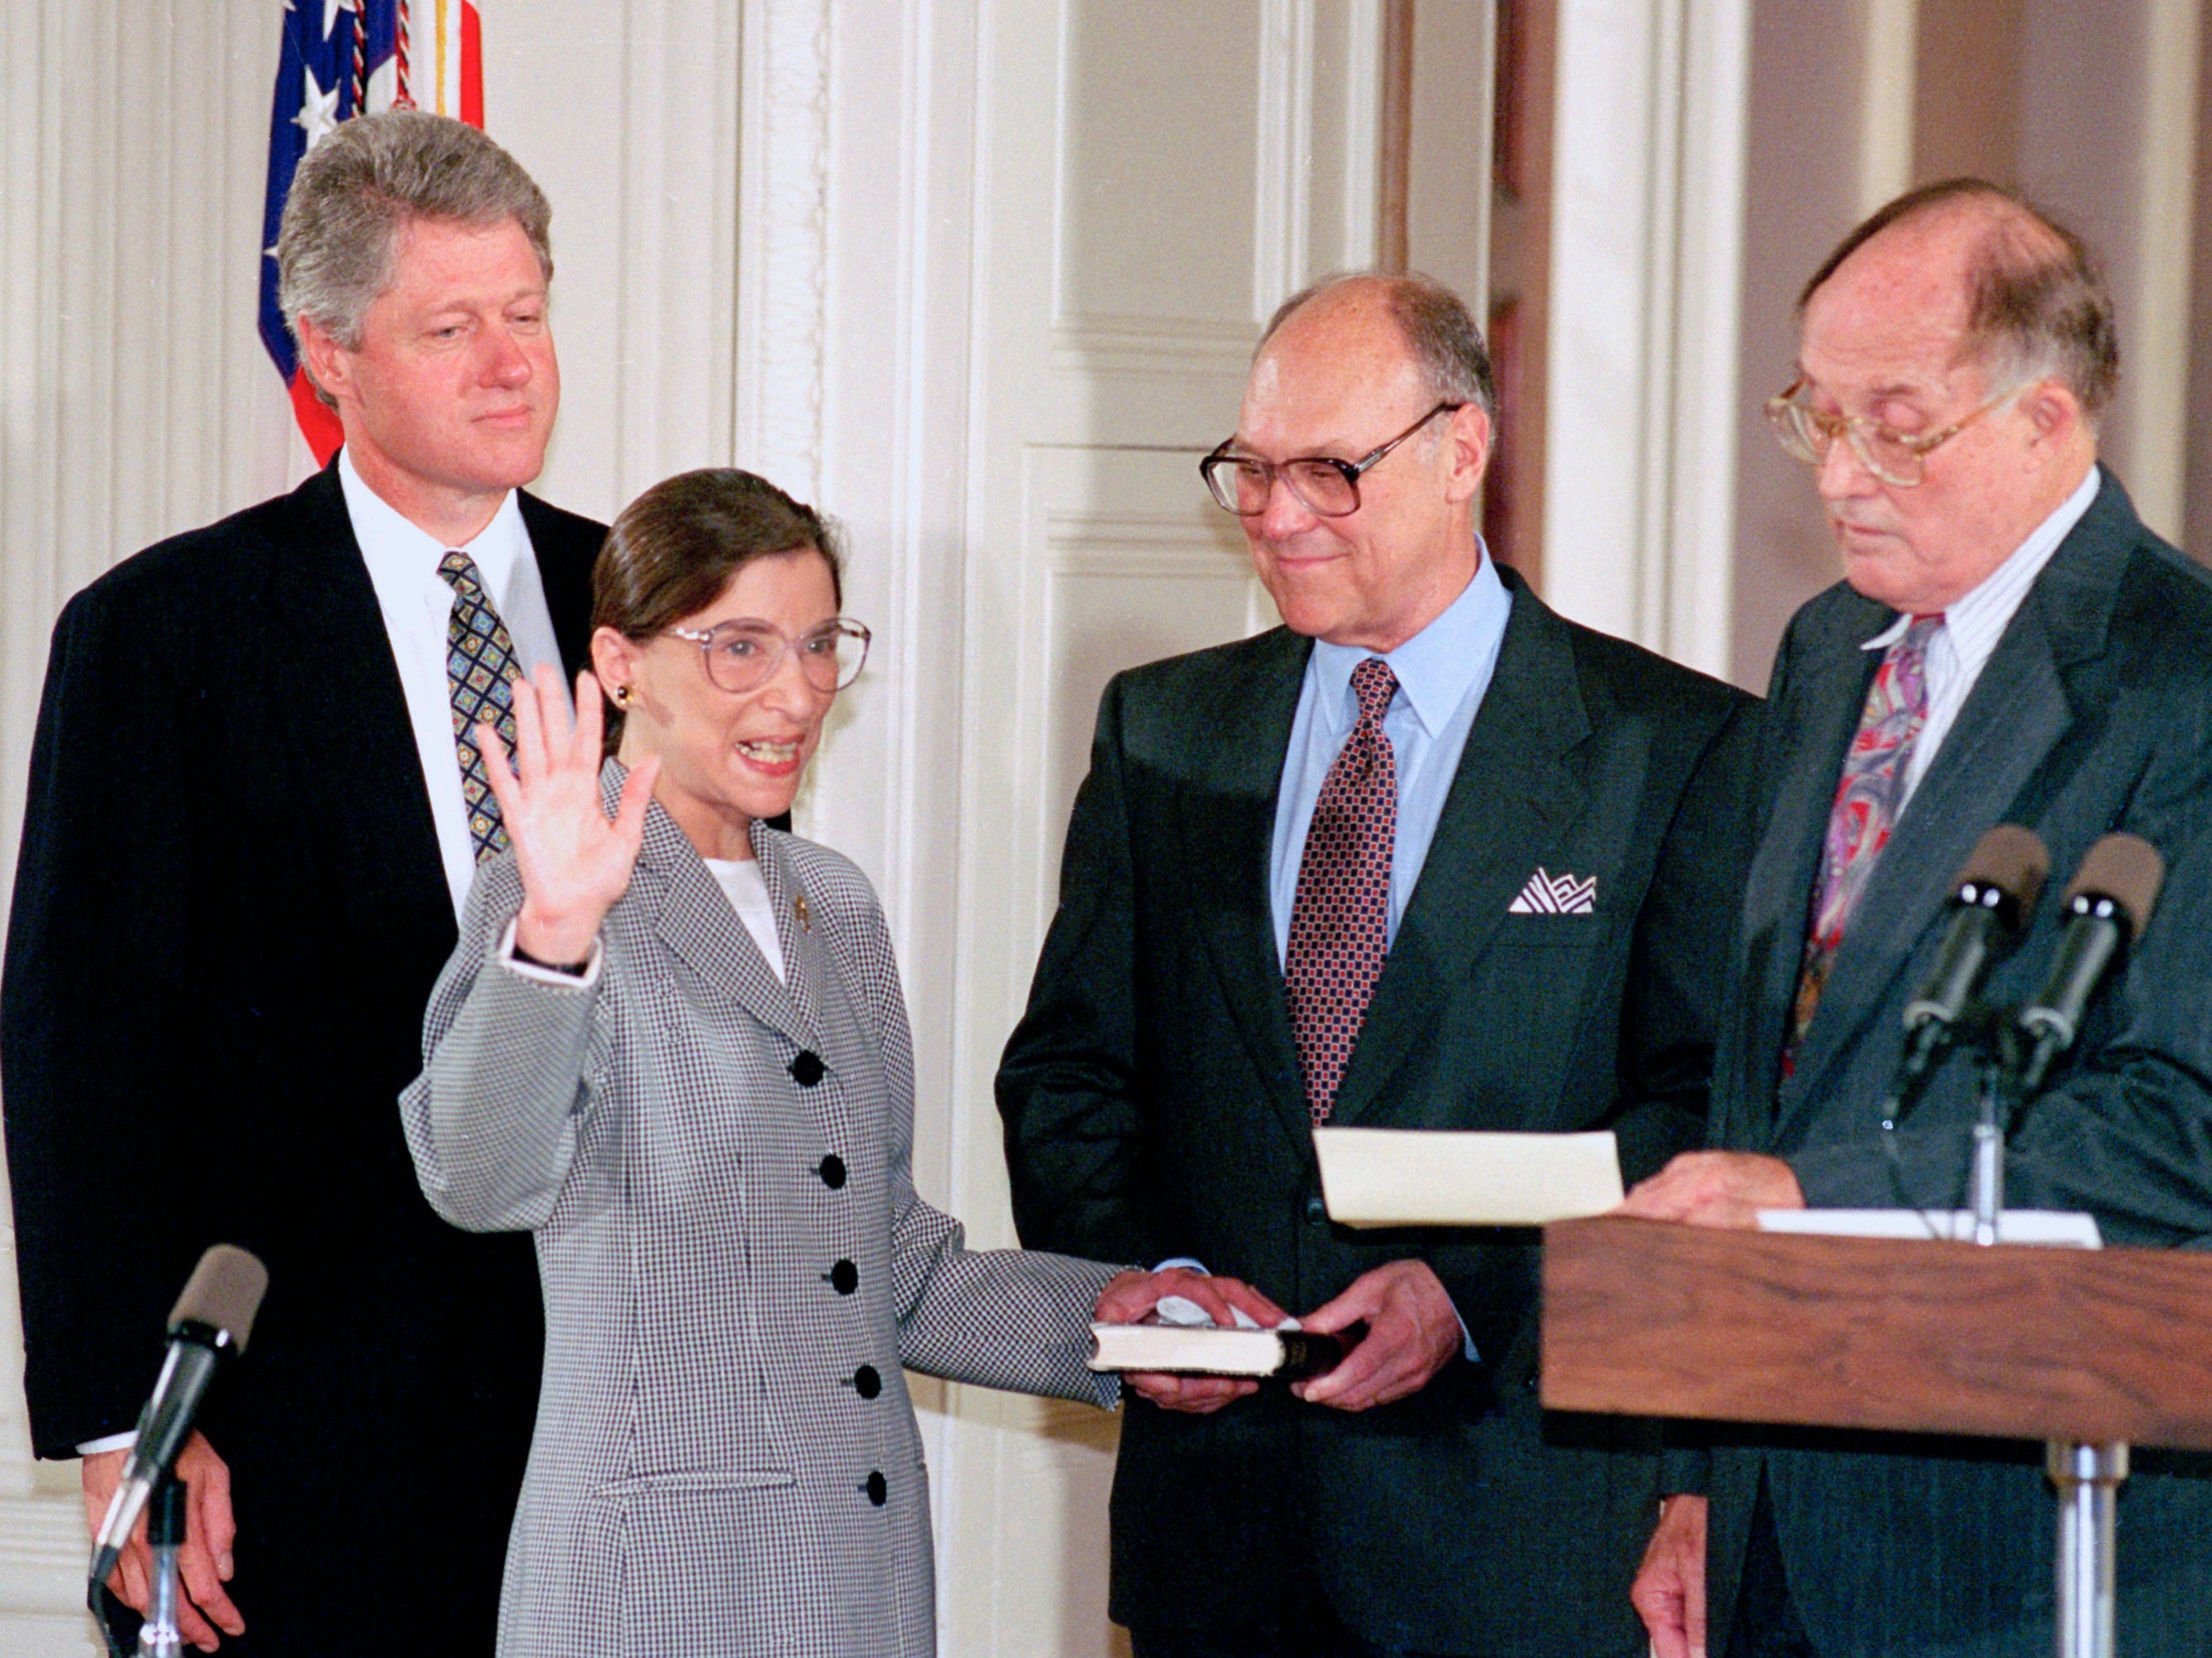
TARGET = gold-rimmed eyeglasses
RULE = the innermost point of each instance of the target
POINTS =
(1322, 483)
(1896, 458)
(743, 655)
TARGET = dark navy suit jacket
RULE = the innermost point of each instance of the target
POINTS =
(2093, 713)
(228, 914)
(1154, 1106)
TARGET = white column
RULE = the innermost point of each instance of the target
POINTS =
(1646, 262)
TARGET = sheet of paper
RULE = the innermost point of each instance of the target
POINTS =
(2055, 1226)
(1436, 1177)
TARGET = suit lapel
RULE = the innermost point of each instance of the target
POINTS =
(334, 690)
(1516, 789)
(2018, 711)
(1227, 834)
(1819, 712)
(695, 921)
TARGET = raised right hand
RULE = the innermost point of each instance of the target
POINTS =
(203, 1563)
(574, 864)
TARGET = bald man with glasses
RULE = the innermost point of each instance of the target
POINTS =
(2008, 644)
(1427, 856)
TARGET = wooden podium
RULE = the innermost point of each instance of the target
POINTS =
(2089, 1350)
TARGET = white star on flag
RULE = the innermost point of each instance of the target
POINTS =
(318, 111)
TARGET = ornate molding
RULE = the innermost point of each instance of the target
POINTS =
(783, 247)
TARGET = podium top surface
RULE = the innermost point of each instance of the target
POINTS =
(1643, 1318)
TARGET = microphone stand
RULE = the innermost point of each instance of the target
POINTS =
(159, 1635)
(2086, 1476)
(1988, 1183)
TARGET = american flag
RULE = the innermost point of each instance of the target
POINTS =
(341, 58)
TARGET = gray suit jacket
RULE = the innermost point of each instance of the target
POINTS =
(2094, 714)
(736, 1265)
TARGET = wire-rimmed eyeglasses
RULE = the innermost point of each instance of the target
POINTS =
(1322, 483)
(1896, 458)
(743, 655)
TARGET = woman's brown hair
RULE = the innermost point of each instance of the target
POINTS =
(675, 548)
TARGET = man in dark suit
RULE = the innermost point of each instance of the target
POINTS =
(1428, 857)
(248, 832)
(2010, 644)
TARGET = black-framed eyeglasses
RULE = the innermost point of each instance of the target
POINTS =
(1242, 483)
(743, 655)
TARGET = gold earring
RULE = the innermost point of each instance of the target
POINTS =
(621, 696)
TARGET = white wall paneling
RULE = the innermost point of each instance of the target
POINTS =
(1889, 61)
(627, 114)
(1647, 224)
(2154, 326)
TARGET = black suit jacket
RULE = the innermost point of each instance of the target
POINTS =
(2093, 713)
(228, 914)
(1154, 1106)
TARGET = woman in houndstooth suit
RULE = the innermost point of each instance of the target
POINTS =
(672, 1043)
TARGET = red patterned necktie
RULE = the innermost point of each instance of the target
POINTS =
(481, 669)
(1868, 796)
(1340, 914)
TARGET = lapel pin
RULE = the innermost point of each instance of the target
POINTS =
(799, 908)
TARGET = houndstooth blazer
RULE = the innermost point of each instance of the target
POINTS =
(735, 1263)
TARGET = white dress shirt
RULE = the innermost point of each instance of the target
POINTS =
(1960, 648)
(403, 566)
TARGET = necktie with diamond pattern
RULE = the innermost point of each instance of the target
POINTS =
(481, 669)
(1341, 913)
(1870, 795)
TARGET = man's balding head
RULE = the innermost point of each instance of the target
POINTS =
(2035, 300)
(1433, 324)
(1964, 333)
(1340, 374)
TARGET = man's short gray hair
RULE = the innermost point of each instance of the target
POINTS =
(364, 184)
(1439, 331)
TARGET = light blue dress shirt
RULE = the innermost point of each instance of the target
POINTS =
(1443, 671)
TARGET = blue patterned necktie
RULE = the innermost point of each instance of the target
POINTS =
(1341, 913)
(481, 669)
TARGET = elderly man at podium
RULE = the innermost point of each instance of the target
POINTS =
(2010, 644)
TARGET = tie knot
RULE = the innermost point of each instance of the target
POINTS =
(1919, 631)
(1374, 684)
(461, 575)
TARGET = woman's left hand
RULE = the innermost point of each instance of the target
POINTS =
(574, 863)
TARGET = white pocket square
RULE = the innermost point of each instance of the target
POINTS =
(1556, 895)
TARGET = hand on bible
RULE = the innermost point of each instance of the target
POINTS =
(574, 864)
(1715, 1188)
(1130, 1296)
(203, 1564)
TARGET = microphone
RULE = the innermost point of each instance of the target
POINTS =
(214, 1316)
(1992, 898)
(2107, 906)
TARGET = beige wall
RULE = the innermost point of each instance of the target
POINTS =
(2079, 103)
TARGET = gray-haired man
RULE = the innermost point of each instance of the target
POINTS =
(249, 829)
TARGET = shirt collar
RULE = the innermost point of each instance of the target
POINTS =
(1998, 594)
(393, 543)
(1435, 667)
